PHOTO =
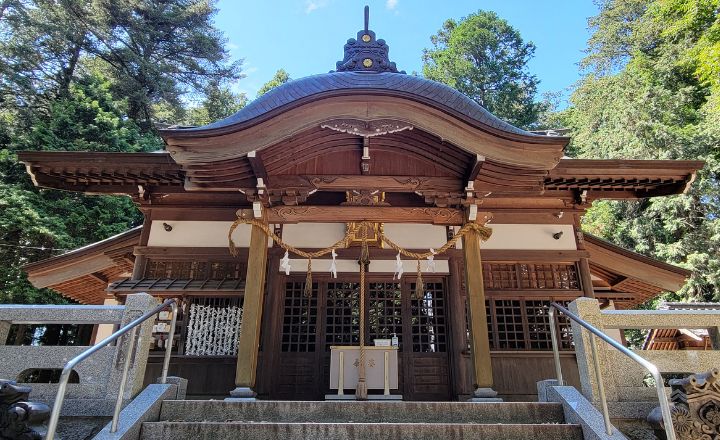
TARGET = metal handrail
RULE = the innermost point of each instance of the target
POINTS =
(132, 328)
(659, 386)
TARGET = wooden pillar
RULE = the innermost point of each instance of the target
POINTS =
(584, 263)
(478, 319)
(249, 340)
(141, 260)
(586, 278)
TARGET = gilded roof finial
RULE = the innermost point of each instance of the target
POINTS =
(366, 54)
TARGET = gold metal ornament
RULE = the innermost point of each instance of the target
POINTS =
(367, 62)
(366, 38)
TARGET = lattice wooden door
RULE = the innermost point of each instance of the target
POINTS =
(311, 326)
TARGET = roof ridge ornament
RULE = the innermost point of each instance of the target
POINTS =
(366, 53)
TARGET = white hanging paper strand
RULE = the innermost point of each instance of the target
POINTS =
(213, 331)
(333, 264)
(398, 267)
(285, 263)
(431, 261)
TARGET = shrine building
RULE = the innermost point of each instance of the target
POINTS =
(363, 154)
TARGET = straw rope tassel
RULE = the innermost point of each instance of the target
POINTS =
(308, 280)
(419, 285)
(361, 391)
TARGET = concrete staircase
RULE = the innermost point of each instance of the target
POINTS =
(275, 420)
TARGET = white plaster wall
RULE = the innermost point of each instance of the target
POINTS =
(414, 236)
(197, 234)
(530, 237)
(376, 266)
(315, 235)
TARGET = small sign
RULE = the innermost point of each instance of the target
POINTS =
(382, 342)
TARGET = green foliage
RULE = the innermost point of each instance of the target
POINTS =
(280, 78)
(37, 224)
(646, 97)
(88, 119)
(485, 58)
(89, 76)
(220, 102)
(154, 52)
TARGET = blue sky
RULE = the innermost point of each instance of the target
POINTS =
(306, 37)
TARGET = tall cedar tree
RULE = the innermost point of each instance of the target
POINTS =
(88, 76)
(486, 58)
(649, 94)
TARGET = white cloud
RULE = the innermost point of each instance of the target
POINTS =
(391, 4)
(311, 5)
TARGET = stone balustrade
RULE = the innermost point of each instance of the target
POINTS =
(99, 376)
(627, 393)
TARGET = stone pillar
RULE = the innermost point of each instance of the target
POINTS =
(479, 338)
(588, 309)
(713, 333)
(4, 332)
(249, 340)
(136, 305)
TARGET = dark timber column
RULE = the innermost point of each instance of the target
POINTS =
(584, 263)
(249, 340)
(478, 320)
(141, 260)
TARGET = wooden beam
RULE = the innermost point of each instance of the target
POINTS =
(477, 167)
(258, 166)
(99, 277)
(335, 214)
(249, 340)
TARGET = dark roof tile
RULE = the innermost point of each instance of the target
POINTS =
(297, 89)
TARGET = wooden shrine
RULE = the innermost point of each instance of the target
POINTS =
(309, 161)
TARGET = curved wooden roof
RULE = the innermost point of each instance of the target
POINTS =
(627, 277)
(312, 88)
(315, 101)
(84, 273)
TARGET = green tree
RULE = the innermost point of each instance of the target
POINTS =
(219, 103)
(645, 96)
(484, 57)
(89, 76)
(37, 223)
(280, 78)
(153, 51)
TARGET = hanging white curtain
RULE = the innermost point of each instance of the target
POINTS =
(213, 331)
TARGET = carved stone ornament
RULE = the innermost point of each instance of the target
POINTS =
(17, 415)
(362, 128)
(696, 408)
(366, 53)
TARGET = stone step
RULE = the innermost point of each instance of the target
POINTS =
(362, 412)
(351, 431)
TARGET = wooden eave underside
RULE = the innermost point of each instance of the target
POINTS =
(639, 178)
(83, 274)
(104, 173)
(629, 278)
(412, 161)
